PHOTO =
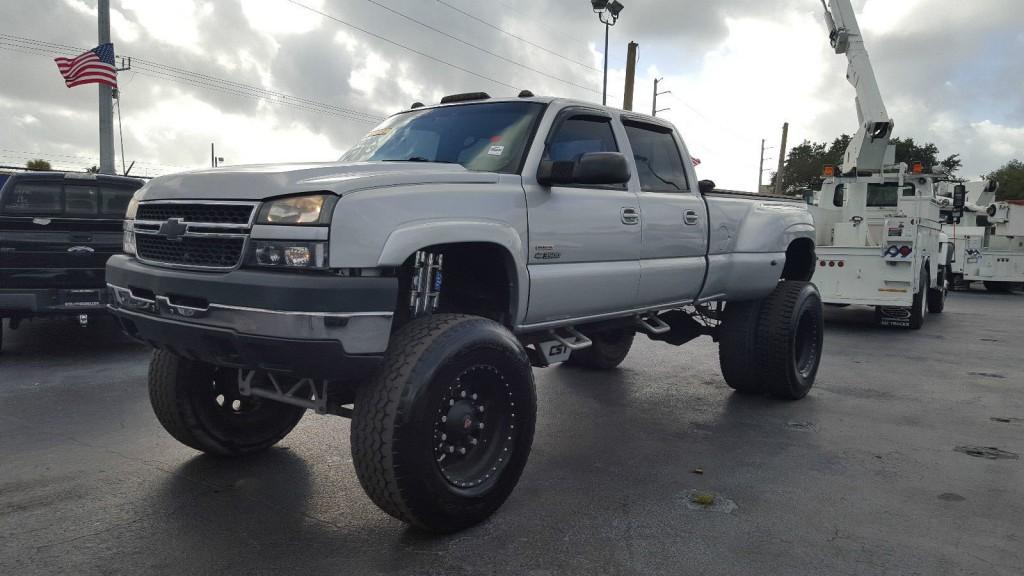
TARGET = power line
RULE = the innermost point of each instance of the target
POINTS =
(402, 46)
(155, 69)
(471, 45)
(517, 37)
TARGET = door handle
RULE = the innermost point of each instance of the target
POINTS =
(690, 217)
(630, 216)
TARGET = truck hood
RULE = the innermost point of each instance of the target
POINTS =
(258, 182)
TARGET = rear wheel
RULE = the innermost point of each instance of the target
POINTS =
(608, 350)
(200, 405)
(999, 287)
(937, 296)
(791, 334)
(919, 308)
(442, 433)
(737, 347)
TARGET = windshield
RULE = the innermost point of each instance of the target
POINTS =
(489, 137)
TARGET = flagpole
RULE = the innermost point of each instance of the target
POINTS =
(106, 101)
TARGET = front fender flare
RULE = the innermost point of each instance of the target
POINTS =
(413, 236)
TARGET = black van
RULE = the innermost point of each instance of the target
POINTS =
(56, 232)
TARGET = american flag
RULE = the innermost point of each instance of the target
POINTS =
(93, 67)
(695, 161)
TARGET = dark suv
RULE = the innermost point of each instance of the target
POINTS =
(56, 232)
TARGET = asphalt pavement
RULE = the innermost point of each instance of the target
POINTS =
(654, 468)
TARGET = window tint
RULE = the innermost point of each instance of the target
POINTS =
(114, 201)
(81, 200)
(580, 135)
(885, 195)
(34, 198)
(658, 163)
(839, 197)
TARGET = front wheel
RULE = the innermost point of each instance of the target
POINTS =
(443, 432)
(200, 406)
(937, 296)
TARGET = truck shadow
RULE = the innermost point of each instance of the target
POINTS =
(63, 338)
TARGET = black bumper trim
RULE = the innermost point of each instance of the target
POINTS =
(307, 358)
(270, 290)
(27, 302)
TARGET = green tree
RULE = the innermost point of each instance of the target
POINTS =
(1011, 180)
(804, 163)
(94, 169)
(38, 165)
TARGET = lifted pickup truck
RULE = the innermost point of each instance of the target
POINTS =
(420, 277)
(56, 232)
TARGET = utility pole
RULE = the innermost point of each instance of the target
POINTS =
(654, 103)
(782, 159)
(760, 172)
(106, 100)
(627, 99)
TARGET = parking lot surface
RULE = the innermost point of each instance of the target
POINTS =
(885, 468)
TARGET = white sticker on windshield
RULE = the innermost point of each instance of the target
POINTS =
(496, 151)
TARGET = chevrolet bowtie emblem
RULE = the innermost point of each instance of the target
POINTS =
(173, 229)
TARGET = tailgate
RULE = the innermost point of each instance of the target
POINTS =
(56, 253)
(862, 276)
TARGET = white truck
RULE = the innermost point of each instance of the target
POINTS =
(879, 238)
(412, 285)
(988, 240)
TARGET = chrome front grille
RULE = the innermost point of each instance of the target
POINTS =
(202, 235)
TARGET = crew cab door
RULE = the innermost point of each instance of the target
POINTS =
(675, 226)
(584, 240)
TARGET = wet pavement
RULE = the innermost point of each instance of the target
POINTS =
(904, 459)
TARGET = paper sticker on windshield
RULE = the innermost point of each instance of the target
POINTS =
(496, 151)
(380, 132)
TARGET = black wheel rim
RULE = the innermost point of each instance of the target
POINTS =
(805, 349)
(227, 398)
(475, 428)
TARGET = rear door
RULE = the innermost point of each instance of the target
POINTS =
(675, 233)
(584, 241)
(59, 235)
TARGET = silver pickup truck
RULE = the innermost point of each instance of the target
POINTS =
(411, 286)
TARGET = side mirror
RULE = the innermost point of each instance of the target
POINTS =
(959, 196)
(706, 186)
(595, 168)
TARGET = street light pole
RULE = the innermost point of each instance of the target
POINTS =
(608, 13)
(604, 88)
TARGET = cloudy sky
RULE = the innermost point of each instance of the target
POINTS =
(951, 72)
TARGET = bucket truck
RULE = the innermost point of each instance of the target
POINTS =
(988, 240)
(879, 236)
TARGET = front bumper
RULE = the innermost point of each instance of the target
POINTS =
(26, 302)
(303, 324)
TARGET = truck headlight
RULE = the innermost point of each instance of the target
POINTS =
(289, 254)
(307, 209)
(128, 242)
(128, 226)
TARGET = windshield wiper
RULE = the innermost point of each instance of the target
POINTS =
(417, 159)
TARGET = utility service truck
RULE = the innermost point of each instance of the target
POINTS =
(412, 285)
(987, 237)
(879, 237)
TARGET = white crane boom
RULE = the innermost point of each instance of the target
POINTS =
(867, 150)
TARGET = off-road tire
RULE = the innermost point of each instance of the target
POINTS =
(608, 350)
(186, 397)
(396, 424)
(737, 347)
(919, 306)
(937, 296)
(789, 337)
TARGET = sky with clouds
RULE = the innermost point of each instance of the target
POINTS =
(951, 72)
